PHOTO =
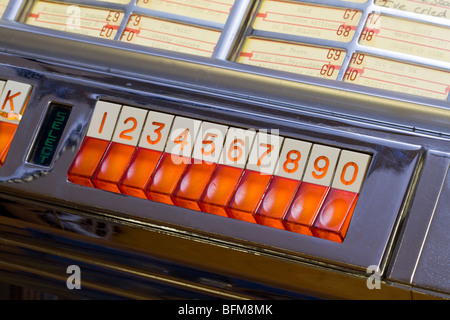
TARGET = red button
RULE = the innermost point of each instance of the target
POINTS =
(305, 207)
(335, 215)
(113, 166)
(166, 177)
(220, 189)
(248, 195)
(7, 131)
(276, 202)
(86, 161)
(192, 184)
(139, 172)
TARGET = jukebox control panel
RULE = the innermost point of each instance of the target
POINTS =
(299, 135)
(252, 176)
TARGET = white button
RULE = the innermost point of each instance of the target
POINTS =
(2, 85)
(321, 165)
(156, 130)
(293, 159)
(104, 120)
(238, 143)
(14, 97)
(209, 143)
(182, 136)
(350, 171)
(129, 126)
(264, 154)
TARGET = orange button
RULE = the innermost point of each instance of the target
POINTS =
(7, 131)
(166, 177)
(276, 202)
(192, 184)
(113, 166)
(139, 172)
(86, 161)
(220, 189)
(335, 215)
(305, 207)
(248, 195)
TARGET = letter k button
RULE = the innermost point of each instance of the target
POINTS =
(14, 97)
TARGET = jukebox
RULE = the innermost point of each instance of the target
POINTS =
(230, 149)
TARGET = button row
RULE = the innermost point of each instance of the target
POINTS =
(13, 99)
(250, 175)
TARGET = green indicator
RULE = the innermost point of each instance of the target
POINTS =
(50, 133)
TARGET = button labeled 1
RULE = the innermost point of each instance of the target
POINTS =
(95, 143)
(120, 150)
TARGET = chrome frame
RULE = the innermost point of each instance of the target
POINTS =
(407, 136)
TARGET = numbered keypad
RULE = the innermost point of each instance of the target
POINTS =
(245, 174)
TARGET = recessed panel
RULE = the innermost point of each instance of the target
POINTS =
(3, 4)
(298, 58)
(438, 9)
(406, 36)
(307, 20)
(254, 170)
(170, 35)
(90, 21)
(378, 72)
(215, 11)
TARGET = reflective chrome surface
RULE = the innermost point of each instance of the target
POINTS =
(135, 248)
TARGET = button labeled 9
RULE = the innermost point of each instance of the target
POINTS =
(321, 165)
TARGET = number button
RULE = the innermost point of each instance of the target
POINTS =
(182, 136)
(255, 179)
(95, 143)
(148, 154)
(209, 143)
(237, 147)
(207, 150)
(104, 120)
(293, 158)
(156, 130)
(174, 161)
(350, 171)
(129, 126)
(264, 154)
(120, 151)
(321, 165)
